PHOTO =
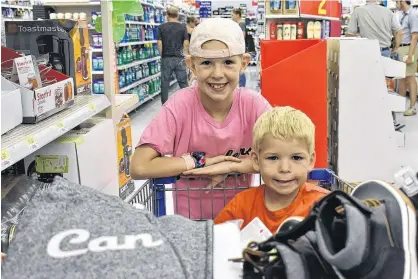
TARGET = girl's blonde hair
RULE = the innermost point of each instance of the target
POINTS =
(285, 123)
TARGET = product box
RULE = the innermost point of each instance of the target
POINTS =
(274, 7)
(45, 101)
(11, 106)
(85, 155)
(64, 44)
(290, 7)
(124, 150)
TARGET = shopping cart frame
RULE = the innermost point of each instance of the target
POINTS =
(152, 193)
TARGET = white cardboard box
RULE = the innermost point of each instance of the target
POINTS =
(11, 106)
(91, 153)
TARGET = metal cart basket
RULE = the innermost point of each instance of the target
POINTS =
(152, 193)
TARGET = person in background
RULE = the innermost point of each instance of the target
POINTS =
(173, 45)
(408, 53)
(237, 16)
(373, 21)
(191, 24)
(284, 154)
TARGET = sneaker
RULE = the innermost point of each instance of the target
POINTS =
(410, 111)
(402, 219)
(289, 224)
(369, 235)
(292, 260)
(289, 258)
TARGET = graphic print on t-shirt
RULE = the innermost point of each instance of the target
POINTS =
(242, 152)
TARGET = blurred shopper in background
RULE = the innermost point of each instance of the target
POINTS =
(237, 17)
(173, 45)
(408, 53)
(191, 24)
(372, 21)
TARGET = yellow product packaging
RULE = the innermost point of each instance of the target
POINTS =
(125, 151)
(80, 37)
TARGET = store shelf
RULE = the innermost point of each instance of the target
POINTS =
(142, 23)
(72, 3)
(124, 102)
(135, 84)
(135, 43)
(301, 16)
(152, 5)
(97, 72)
(3, 5)
(27, 138)
(143, 102)
(281, 16)
(173, 82)
(135, 63)
(96, 50)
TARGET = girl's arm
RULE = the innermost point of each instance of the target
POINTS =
(147, 163)
(244, 166)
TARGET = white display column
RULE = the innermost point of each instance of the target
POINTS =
(363, 139)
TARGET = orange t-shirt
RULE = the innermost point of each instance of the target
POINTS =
(250, 204)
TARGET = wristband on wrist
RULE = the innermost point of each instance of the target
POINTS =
(199, 158)
(189, 160)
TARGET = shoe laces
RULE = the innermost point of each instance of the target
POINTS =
(257, 258)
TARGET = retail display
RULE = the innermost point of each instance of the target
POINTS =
(77, 157)
(282, 63)
(124, 152)
(39, 99)
(112, 231)
(63, 44)
(11, 106)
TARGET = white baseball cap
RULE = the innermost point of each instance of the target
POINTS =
(224, 30)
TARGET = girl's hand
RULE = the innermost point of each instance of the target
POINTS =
(219, 159)
(224, 167)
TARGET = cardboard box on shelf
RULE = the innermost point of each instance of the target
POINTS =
(11, 106)
(63, 43)
(44, 101)
(85, 155)
(124, 151)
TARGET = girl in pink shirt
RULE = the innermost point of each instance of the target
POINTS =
(207, 129)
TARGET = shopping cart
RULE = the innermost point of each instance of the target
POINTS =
(152, 194)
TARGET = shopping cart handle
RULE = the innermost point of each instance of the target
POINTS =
(164, 180)
(324, 175)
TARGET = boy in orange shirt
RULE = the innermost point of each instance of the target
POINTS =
(283, 153)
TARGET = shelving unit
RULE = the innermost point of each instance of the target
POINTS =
(136, 43)
(27, 138)
(136, 83)
(140, 103)
(139, 62)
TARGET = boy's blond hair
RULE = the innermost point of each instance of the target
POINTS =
(285, 123)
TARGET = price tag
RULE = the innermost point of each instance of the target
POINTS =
(61, 126)
(92, 107)
(5, 158)
(31, 142)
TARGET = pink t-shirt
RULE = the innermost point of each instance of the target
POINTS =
(183, 126)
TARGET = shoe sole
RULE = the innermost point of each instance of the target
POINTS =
(409, 225)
